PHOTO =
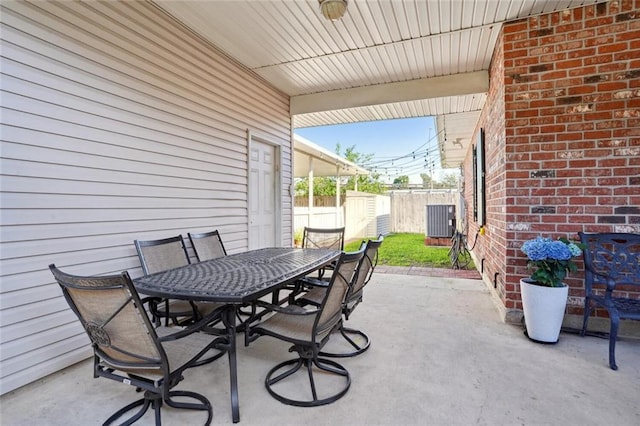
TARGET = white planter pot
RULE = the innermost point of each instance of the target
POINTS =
(543, 310)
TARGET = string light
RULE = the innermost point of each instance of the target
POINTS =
(410, 163)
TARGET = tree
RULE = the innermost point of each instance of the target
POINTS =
(426, 180)
(450, 180)
(370, 183)
(401, 181)
(321, 186)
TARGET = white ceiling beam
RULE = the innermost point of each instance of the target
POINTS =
(424, 88)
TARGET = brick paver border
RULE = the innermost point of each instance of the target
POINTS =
(429, 272)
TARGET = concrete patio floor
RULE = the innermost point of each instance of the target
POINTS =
(439, 356)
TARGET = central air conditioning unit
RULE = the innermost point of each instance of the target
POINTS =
(441, 220)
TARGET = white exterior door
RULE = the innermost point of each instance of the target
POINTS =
(263, 165)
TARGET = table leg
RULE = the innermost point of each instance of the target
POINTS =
(229, 320)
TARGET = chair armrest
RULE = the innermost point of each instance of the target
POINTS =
(314, 282)
(152, 302)
(150, 299)
(250, 335)
(289, 309)
(611, 284)
(201, 325)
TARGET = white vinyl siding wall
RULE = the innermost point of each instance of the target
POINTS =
(117, 124)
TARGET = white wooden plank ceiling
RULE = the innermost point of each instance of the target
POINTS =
(382, 60)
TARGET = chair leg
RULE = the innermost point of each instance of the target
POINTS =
(326, 365)
(204, 405)
(613, 335)
(585, 315)
(358, 347)
(144, 403)
(209, 359)
(157, 406)
(299, 362)
(314, 392)
(152, 399)
(241, 323)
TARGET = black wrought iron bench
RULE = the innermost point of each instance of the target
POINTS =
(612, 279)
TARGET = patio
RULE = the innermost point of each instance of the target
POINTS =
(439, 355)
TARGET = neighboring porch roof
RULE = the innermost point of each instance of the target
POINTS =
(308, 156)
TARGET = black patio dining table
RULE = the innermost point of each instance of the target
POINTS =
(235, 280)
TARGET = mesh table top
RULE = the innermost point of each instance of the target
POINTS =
(237, 278)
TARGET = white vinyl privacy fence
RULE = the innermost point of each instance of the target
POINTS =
(367, 215)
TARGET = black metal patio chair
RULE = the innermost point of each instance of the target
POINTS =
(128, 349)
(357, 339)
(309, 331)
(327, 238)
(160, 255)
(612, 271)
(331, 238)
(207, 245)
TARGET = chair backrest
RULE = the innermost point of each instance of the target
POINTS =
(614, 256)
(160, 255)
(365, 271)
(111, 313)
(330, 310)
(331, 238)
(207, 245)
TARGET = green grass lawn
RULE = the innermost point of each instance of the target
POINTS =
(408, 250)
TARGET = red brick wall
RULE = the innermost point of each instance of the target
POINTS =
(565, 157)
(490, 249)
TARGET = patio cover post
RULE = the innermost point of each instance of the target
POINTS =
(337, 195)
(309, 212)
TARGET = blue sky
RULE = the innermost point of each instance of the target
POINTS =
(399, 147)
